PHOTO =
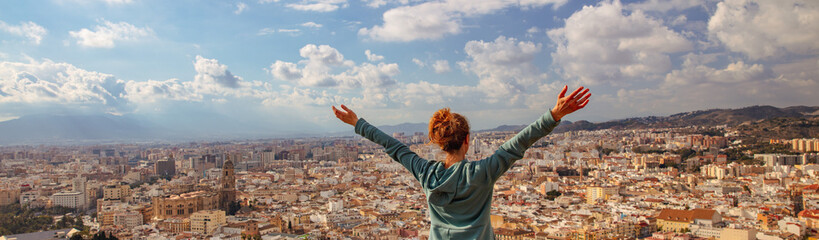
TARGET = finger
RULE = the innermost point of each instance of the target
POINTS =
(336, 111)
(583, 104)
(581, 94)
(575, 92)
(563, 92)
(346, 109)
(581, 99)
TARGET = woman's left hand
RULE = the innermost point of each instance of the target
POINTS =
(347, 116)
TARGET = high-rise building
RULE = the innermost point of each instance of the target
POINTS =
(165, 167)
(227, 191)
(207, 221)
(78, 184)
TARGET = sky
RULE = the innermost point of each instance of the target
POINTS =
(278, 65)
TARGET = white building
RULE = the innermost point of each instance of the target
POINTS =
(128, 219)
(29, 196)
(335, 205)
(69, 199)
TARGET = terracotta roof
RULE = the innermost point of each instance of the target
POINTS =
(809, 213)
(686, 215)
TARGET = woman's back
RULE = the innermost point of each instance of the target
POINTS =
(459, 198)
(459, 192)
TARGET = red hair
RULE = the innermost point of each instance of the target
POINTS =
(448, 130)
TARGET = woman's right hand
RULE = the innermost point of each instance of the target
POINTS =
(347, 116)
(568, 104)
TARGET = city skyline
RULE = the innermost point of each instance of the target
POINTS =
(280, 65)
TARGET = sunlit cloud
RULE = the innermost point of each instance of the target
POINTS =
(605, 44)
(29, 30)
(108, 33)
(764, 29)
(434, 20)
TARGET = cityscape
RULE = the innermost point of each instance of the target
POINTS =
(693, 182)
(160, 120)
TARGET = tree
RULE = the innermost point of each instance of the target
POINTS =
(103, 236)
(551, 195)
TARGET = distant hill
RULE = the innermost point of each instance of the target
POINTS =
(712, 117)
(46, 128)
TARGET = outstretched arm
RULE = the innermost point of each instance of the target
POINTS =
(513, 150)
(394, 148)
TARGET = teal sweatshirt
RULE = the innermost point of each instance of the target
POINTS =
(460, 197)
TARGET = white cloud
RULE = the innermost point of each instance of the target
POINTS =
(118, 2)
(679, 20)
(311, 25)
(372, 57)
(434, 20)
(240, 7)
(602, 44)
(667, 5)
(285, 71)
(379, 3)
(441, 66)
(734, 73)
(293, 96)
(266, 31)
(426, 94)
(318, 5)
(106, 34)
(419, 62)
(324, 66)
(57, 83)
(767, 28)
(30, 30)
(211, 74)
(285, 30)
(504, 66)
(152, 91)
(271, 31)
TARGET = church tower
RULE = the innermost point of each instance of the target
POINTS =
(227, 190)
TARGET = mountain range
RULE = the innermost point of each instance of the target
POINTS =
(67, 129)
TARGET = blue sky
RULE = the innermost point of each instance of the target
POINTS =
(278, 65)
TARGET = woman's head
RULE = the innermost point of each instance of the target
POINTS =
(448, 130)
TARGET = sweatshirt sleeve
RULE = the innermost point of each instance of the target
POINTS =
(513, 150)
(394, 148)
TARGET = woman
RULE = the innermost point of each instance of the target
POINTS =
(459, 192)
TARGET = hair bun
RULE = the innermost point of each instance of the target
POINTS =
(448, 130)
